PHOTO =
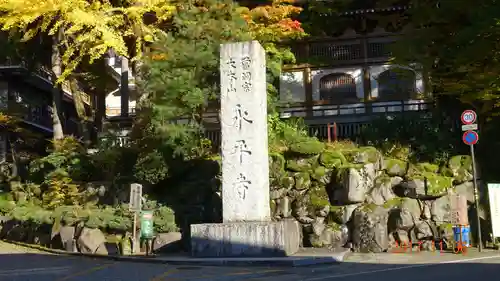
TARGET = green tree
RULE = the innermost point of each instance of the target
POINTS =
(80, 30)
(179, 77)
(181, 74)
(457, 42)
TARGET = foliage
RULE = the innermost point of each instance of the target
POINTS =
(271, 25)
(105, 218)
(89, 29)
(431, 139)
(283, 134)
(56, 172)
(457, 42)
(182, 70)
(308, 147)
(179, 76)
(321, 18)
(112, 162)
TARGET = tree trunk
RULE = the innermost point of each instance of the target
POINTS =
(80, 110)
(124, 88)
(56, 62)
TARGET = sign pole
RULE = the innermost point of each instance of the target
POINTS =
(470, 138)
(476, 197)
(135, 205)
(134, 234)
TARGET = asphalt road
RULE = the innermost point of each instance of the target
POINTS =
(383, 267)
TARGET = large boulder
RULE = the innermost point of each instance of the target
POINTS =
(382, 192)
(400, 219)
(441, 210)
(426, 185)
(466, 189)
(461, 168)
(330, 235)
(395, 167)
(370, 229)
(90, 240)
(342, 214)
(357, 181)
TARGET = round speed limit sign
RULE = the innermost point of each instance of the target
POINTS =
(468, 117)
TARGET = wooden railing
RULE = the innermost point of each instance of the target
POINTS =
(116, 111)
(349, 120)
(358, 109)
(359, 50)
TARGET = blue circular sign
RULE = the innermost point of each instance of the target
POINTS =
(470, 137)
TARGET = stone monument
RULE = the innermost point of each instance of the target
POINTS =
(247, 229)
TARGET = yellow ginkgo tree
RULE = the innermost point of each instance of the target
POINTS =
(82, 30)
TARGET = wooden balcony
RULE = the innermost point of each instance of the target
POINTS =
(321, 112)
(355, 50)
(349, 119)
(112, 111)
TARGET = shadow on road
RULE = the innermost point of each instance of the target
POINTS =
(46, 267)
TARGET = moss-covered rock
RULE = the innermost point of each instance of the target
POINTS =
(298, 165)
(396, 202)
(436, 184)
(318, 198)
(272, 205)
(302, 180)
(445, 171)
(332, 159)
(462, 175)
(395, 167)
(322, 175)
(307, 147)
(363, 155)
(427, 167)
(287, 182)
(276, 163)
(460, 162)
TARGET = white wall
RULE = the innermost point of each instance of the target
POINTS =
(113, 103)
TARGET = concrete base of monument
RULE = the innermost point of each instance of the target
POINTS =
(245, 239)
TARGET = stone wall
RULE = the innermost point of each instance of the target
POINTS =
(358, 197)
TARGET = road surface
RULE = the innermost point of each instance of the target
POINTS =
(19, 266)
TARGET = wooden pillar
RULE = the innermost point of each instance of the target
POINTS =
(308, 91)
(308, 84)
(366, 76)
(124, 89)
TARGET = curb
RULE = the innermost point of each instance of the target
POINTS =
(296, 261)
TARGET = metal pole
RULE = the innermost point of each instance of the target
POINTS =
(134, 234)
(476, 197)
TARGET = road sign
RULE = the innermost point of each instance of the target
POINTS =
(135, 203)
(470, 137)
(468, 117)
(470, 127)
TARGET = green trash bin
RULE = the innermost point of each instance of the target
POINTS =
(147, 230)
(147, 225)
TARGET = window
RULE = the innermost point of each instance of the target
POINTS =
(395, 84)
(338, 88)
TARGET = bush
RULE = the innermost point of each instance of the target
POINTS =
(104, 218)
(164, 220)
(308, 147)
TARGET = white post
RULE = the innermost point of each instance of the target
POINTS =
(134, 235)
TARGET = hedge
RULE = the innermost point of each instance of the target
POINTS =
(106, 218)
